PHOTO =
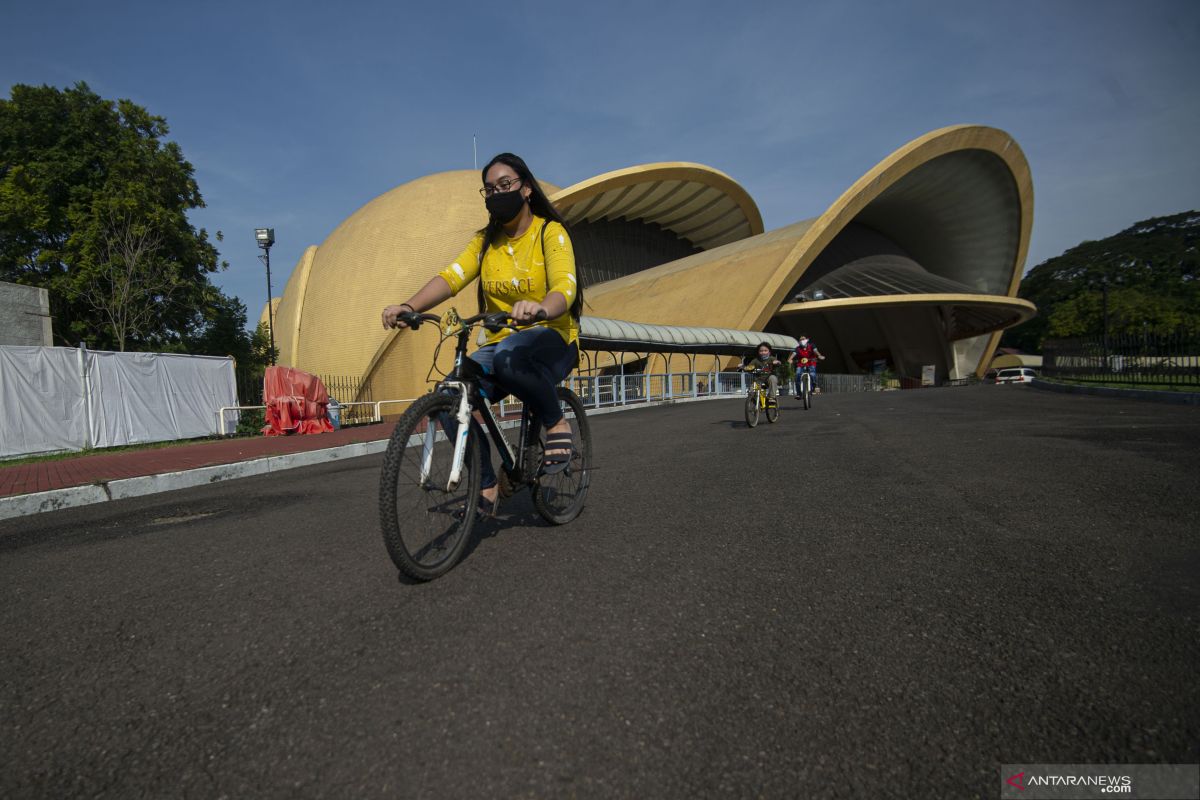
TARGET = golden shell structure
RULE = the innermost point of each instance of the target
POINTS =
(917, 263)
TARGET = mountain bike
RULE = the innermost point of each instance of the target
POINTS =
(430, 483)
(804, 384)
(758, 400)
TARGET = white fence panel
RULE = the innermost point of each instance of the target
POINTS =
(41, 394)
(59, 398)
(156, 397)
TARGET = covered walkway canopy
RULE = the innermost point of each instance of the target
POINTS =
(616, 336)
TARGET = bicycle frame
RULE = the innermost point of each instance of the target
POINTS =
(758, 389)
(468, 390)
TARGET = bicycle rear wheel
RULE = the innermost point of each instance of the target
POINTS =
(752, 408)
(425, 522)
(772, 409)
(560, 497)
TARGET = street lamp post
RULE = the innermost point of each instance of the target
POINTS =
(265, 238)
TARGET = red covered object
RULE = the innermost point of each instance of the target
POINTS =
(296, 402)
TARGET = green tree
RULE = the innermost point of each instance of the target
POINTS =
(1149, 271)
(93, 207)
(1130, 311)
(224, 332)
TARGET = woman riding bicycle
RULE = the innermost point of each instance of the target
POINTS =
(526, 267)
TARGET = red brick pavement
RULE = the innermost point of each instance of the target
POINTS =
(43, 476)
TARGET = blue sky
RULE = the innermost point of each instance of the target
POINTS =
(296, 114)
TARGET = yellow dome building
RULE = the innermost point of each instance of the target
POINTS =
(915, 264)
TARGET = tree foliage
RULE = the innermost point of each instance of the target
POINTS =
(1148, 275)
(93, 207)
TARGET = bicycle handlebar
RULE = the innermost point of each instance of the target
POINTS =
(414, 319)
(499, 320)
(495, 321)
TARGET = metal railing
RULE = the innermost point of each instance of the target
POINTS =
(361, 406)
(1148, 360)
(612, 391)
(371, 411)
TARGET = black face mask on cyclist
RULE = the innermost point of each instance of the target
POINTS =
(505, 206)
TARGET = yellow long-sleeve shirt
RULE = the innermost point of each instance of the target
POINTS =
(517, 269)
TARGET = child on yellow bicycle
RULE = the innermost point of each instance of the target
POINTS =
(768, 365)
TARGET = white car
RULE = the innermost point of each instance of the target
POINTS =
(1016, 375)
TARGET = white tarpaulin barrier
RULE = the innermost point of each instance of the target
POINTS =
(156, 397)
(57, 398)
(41, 400)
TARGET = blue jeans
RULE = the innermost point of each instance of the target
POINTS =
(811, 370)
(528, 364)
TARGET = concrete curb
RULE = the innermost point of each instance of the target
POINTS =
(24, 504)
(1174, 398)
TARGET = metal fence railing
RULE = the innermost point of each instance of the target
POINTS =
(609, 391)
(354, 397)
(1147, 360)
(249, 384)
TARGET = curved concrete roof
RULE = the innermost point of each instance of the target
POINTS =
(958, 200)
(970, 314)
(695, 202)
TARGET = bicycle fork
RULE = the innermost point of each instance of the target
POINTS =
(463, 417)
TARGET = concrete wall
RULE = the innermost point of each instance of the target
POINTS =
(24, 315)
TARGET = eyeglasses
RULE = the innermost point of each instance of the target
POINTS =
(502, 185)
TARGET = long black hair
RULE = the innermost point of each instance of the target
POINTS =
(540, 205)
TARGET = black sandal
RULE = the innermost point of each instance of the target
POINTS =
(556, 462)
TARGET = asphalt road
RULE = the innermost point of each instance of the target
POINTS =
(890, 595)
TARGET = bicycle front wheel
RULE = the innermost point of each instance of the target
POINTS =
(807, 391)
(426, 521)
(559, 497)
(752, 409)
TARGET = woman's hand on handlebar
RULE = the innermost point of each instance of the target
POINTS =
(525, 312)
(391, 316)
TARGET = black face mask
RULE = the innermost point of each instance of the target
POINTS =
(505, 206)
